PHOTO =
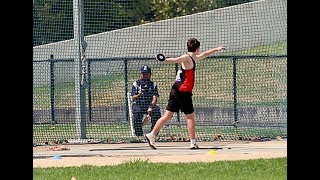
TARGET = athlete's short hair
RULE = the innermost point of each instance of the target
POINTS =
(193, 44)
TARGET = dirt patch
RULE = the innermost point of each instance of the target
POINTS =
(172, 152)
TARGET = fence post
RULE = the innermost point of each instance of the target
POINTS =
(235, 110)
(89, 90)
(52, 89)
(79, 63)
(126, 87)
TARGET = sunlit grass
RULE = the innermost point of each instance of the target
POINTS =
(258, 169)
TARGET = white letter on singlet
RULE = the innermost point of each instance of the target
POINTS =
(178, 75)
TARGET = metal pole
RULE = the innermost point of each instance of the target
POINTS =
(126, 88)
(235, 110)
(89, 91)
(52, 89)
(80, 69)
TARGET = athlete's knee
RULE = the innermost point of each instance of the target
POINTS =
(168, 115)
(189, 116)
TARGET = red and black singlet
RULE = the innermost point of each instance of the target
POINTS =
(185, 78)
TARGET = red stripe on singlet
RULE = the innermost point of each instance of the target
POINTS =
(189, 75)
(188, 81)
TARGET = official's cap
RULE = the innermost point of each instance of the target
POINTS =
(145, 69)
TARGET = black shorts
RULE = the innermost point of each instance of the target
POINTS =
(180, 101)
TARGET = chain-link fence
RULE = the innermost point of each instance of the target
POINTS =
(86, 59)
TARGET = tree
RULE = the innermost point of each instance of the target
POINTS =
(53, 19)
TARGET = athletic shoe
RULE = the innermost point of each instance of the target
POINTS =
(194, 146)
(151, 140)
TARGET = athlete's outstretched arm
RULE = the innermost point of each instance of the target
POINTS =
(173, 60)
(206, 53)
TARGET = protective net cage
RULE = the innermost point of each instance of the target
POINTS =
(88, 54)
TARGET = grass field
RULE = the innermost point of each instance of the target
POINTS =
(258, 169)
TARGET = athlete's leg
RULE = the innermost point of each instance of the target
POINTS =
(191, 130)
(191, 125)
(172, 107)
(151, 137)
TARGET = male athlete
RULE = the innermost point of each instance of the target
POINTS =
(180, 97)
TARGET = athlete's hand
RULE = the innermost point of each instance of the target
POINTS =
(220, 48)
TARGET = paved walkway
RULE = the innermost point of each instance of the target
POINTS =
(173, 152)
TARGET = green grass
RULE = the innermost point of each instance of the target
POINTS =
(258, 169)
(279, 48)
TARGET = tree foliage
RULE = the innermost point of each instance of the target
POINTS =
(53, 19)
